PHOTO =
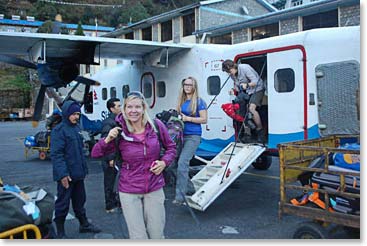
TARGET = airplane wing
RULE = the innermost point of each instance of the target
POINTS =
(82, 49)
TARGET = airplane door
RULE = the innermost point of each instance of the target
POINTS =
(285, 97)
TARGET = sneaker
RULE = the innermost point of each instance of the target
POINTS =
(178, 202)
(112, 210)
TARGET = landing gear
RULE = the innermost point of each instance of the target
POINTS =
(263, 162)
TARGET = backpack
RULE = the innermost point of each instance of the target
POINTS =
(174, 124)
(172, 120)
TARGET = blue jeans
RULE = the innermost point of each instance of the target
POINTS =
(191, 143)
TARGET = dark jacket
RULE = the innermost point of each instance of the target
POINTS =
(67, 154)
(135, 176)
(107, 125)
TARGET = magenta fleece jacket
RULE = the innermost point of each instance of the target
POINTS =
(138, 156)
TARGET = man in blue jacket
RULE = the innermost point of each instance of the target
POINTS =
(69, 169)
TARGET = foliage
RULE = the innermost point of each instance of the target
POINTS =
(279, 4)
(79, 30)
(135, 10)
(14, 78)
(46, 27)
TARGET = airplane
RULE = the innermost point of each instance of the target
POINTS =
(311, 79)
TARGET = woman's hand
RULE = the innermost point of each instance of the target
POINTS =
(112, 134)
(185, 118)
(157, 167)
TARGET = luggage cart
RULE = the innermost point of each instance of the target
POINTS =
(295, 158)
(24, 229)
(43, 151)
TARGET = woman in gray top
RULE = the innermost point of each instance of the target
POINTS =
(247, 79)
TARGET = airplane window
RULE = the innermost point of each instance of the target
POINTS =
(161, 89)
(213, 85)
(104, 93)
(284, 80)
(113, 92)
(148, 90)
(125, 91)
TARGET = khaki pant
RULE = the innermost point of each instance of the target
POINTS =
(144, 214)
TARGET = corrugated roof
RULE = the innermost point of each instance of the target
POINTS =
(307, 9)
(39, 23)
(174, 13)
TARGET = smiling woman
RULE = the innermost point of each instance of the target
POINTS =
(141, 180)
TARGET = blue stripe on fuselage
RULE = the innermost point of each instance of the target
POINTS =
(210, 148)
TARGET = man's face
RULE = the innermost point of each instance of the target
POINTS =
(117, 108)
(73, 118)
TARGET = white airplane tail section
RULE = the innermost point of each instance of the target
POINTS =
(218, 174)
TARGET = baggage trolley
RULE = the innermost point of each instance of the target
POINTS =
(24, 230)
(295, 158)
(43, 151)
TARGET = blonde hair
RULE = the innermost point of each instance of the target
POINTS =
(146, 118)
(182, 97)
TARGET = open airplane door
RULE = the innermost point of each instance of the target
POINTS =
(221, 171)
(286, 100)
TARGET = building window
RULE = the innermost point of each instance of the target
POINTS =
(213, 85)
(147, 33)
(326, 19)
(284, 80)
(129, 35)
(224, 39)
(166, 31)
(87, 68)
(125, 90)
(105, 62)
(188, 24)
(161, 89)
(296, 3)
(112, 92)
(104, 93)
(266, 31)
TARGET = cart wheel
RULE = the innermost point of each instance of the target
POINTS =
(311, 230)
(263, 162)
(42, 155)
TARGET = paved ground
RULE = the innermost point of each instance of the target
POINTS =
(248, 209)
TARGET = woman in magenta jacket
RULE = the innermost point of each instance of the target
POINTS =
(141, 180)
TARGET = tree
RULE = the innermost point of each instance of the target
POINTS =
(46, 27)
(133, 13)
(79, 30)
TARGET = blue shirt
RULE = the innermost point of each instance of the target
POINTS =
(190, 127)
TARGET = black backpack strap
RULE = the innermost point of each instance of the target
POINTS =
(162, 148)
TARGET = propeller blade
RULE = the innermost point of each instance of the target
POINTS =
(17, 61)
(39, 104)
(86, 81)
(51, 93)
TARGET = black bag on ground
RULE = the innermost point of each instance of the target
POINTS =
(13, 215)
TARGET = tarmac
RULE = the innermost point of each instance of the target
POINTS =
(248, 209)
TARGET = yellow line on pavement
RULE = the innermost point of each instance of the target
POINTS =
(262, 175)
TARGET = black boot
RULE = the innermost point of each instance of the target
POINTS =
(260, 135)
(85, 226)
(60, 229)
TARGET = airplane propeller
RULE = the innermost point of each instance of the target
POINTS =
(53, 74)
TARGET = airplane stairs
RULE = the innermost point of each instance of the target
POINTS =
(216, 176)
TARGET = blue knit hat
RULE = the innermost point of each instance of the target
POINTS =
(75, 107)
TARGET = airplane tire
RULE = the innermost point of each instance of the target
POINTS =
(311, 230)
(42, 155)
(263, 162)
